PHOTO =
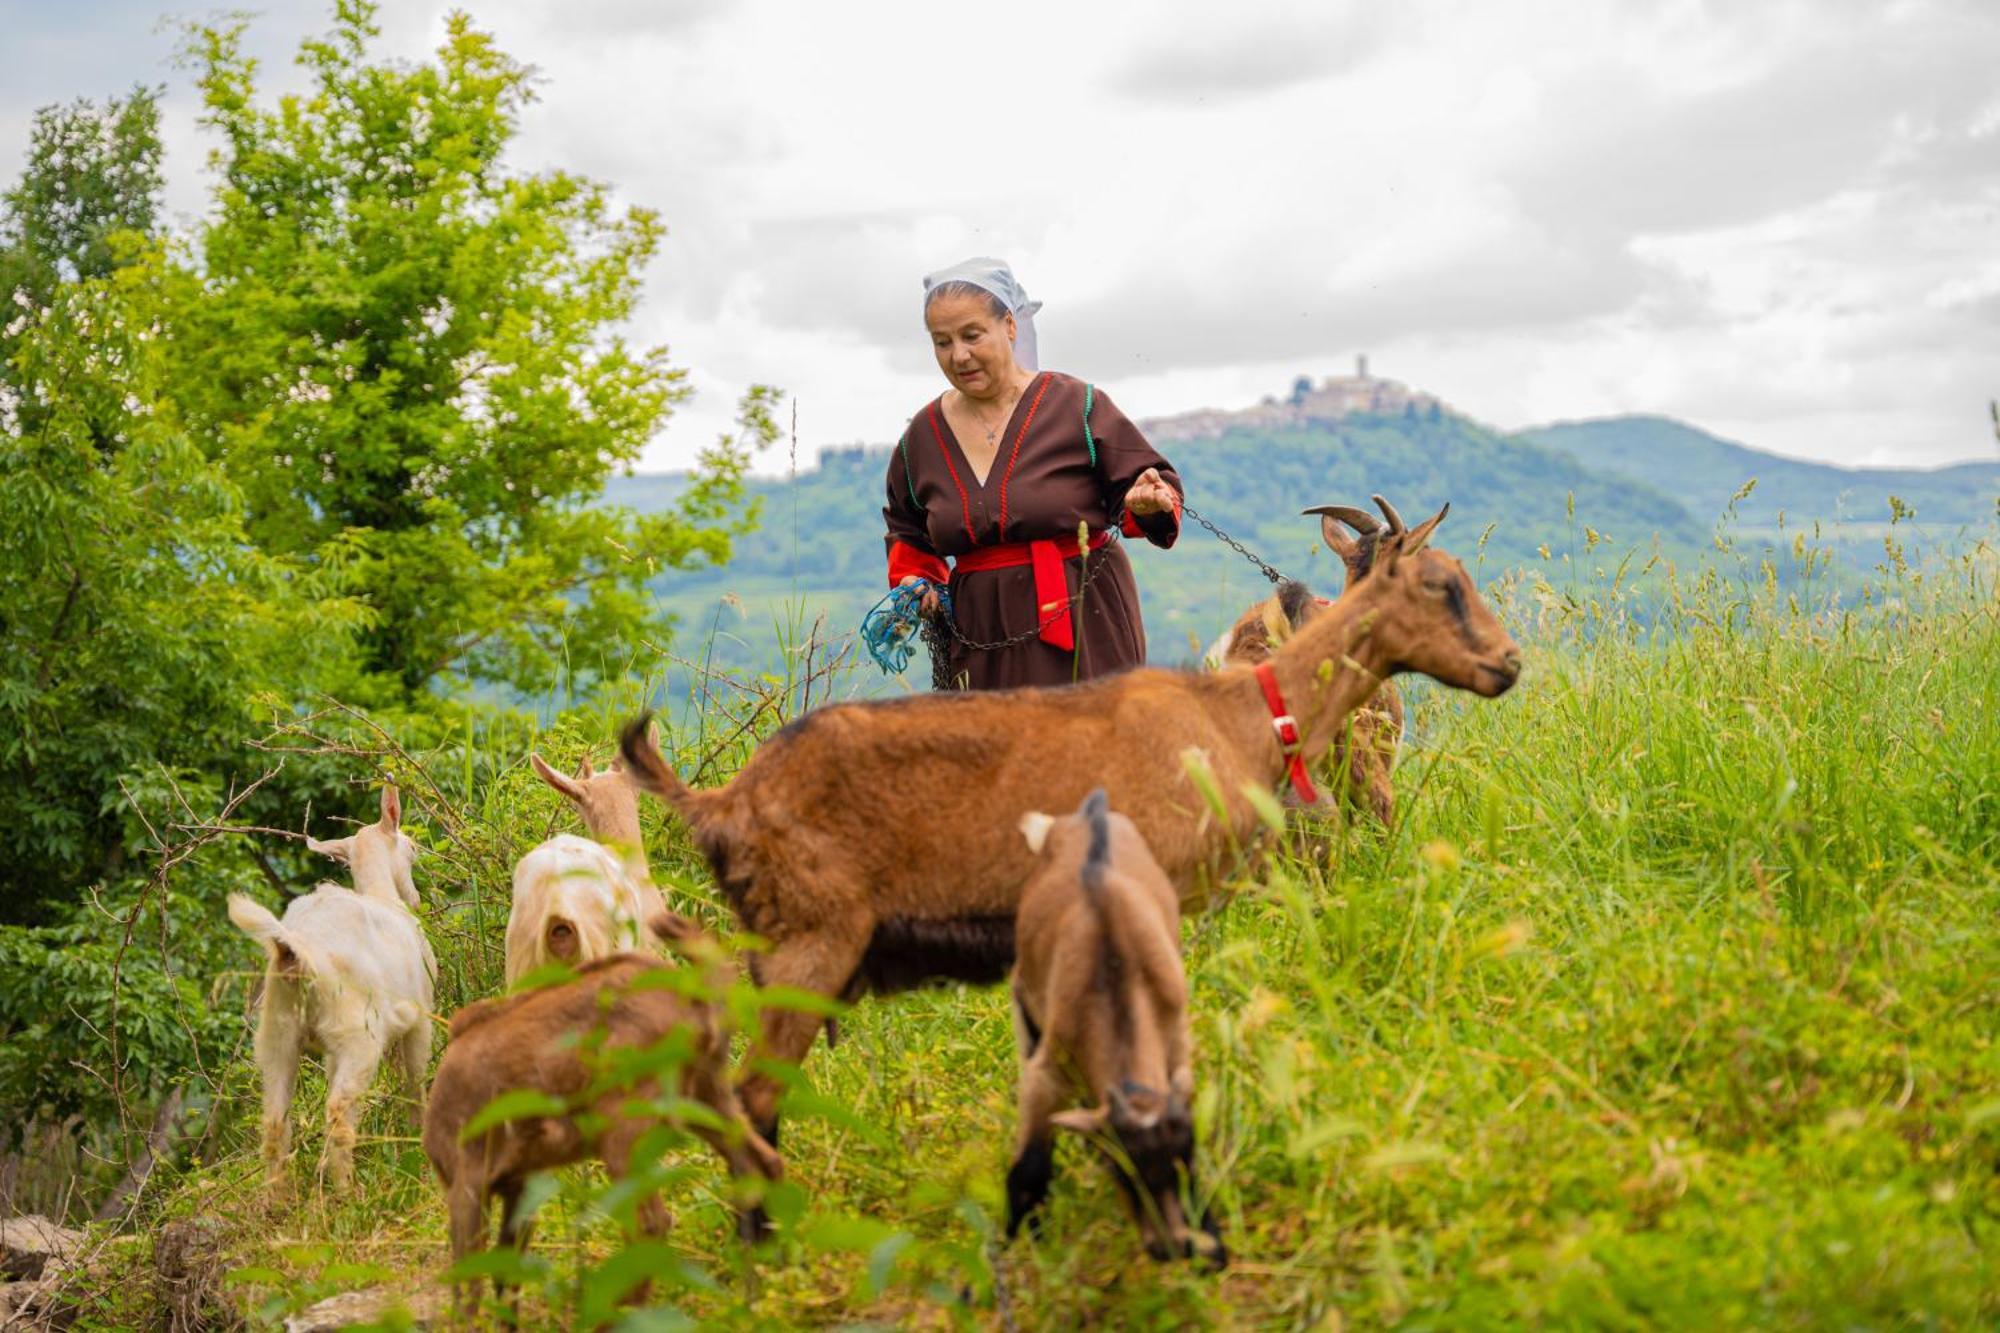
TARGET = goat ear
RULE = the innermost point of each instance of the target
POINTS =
(567, 786)
(392, 807)
(1081, 1121)
(340, 849)
(1035, 828)
(1422, 532)
(1336, 538)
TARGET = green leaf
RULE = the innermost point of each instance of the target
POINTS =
(1330, 1129)
(519, 1104)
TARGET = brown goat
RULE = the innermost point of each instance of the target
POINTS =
(1100, 1008)
(873, 843)
(1361, 759)
(538, 1040)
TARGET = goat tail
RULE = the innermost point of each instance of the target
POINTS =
(1095, 813)
(650, 769)
(256, 920)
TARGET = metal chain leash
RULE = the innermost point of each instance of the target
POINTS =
(1090, 571)
(950, 629)
(1234, 545)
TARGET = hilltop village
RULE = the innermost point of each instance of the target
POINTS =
(1308, 404)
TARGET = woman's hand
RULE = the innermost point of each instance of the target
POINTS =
(929, 605)
(1150, 494)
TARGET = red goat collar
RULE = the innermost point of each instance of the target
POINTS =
(1289, 739)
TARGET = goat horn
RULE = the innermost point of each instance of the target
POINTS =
(1360, 520)
(1389, 512)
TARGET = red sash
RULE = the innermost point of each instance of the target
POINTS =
(1051, 585)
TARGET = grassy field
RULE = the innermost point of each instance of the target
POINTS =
(1670, 1002)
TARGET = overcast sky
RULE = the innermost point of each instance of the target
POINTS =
(1780, 222)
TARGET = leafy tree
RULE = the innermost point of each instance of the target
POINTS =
(405, 343)
(92, 176)
(92, 173)
(140, 627)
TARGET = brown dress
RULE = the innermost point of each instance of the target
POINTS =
(1042, 483)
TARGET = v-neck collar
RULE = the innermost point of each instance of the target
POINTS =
(1006, 431)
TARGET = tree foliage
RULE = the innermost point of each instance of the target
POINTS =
(92, 173)
(403, 341)
(142, 629)
(348, 439)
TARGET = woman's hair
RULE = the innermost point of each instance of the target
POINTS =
(959, 287)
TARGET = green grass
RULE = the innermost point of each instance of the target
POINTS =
(1669, 1003)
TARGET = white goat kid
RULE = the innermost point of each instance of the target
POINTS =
(350, 974)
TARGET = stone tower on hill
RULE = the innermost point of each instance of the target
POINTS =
(1308, 404)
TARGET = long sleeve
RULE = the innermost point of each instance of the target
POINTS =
(1122, 455)
(907, 536)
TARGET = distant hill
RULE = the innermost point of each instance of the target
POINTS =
(1702, 472)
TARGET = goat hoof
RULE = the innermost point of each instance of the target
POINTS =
(754, 1225)
(1208, 1245)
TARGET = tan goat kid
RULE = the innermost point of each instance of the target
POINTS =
(1363, 758)
(608, 804)
(1100, 1009)
(350, 974)
(576, 899)
(874, 843)
(544, 1040)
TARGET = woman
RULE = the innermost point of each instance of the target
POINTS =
(997, 473)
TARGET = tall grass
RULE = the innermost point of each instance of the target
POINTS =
(1670, 1001)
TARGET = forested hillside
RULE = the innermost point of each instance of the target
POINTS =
(1703, 472)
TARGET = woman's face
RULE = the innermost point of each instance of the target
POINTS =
(975, 349)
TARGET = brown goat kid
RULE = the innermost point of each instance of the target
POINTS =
(1363, 758)
(1100, 1008)
(538, 1040)
(874, 843)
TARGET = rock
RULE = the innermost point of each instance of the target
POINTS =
(36, 1252)
(425, 1306)
(29, 1245)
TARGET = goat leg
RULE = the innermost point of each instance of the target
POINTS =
(619, 1147)
(821, 963)
(280, 1047)
(413, 1057)
(741, 1147)
(1028, 1179)
(465, 1202)
(350, 1069)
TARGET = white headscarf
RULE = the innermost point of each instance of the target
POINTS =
(994, 276)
